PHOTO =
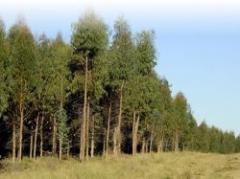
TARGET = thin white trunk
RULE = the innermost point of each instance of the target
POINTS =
(35, 138)
(92, 138)
(83, 122)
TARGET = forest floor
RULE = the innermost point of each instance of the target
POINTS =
(182, 165)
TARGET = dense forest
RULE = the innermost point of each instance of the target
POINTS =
(97, 95)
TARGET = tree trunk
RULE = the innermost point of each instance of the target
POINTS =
(87, 130)
(176, 146)
(41, 137)
(108, 127)
(60, 148)
(31, 146)
(83, 122)
(135, 132)
(115, 141)
(14, 141)
(118, 132)
(104, 144)
(54, 145)
(160, 145)
(146, 146)
(151, 142)
(192, 143)
(68, 150)
(35, 138)
(20, 129)
(143, 145)
(92, 138)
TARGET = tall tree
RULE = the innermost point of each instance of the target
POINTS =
(122, 51)
(202, 138)
(42, 99)
(59, 90)
(88, 39)
(4, 91)
(22, 59)
(144, 64)
(180, 118)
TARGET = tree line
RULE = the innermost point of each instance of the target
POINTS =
(97, 95)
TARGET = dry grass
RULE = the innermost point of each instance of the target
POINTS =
(166, 165)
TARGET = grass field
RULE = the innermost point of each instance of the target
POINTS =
(166, 165)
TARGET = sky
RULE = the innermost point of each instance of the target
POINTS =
(197, 42)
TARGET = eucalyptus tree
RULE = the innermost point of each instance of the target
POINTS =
(135, 103)
(144, 64)
(122, 55)
(202, 138)
(157, 98)
(98, 92)
(162, 127)
(22, 58)
(189, 132)
(215, 140)
(227, 142)
(4, 87)
(88, 39)
(59, 88)
(4, 91)
(180, 108)
(42, 98)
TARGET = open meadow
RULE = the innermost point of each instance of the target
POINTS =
(184, 165)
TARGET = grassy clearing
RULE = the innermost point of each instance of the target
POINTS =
(166, 165)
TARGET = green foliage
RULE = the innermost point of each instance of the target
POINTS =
(145, 52)
(60, 58)
(3, 69)
(89, 34)
(90, 39)
(63, 129)
(45, 71)
(121, 54)
(22, 60)
(180, 111)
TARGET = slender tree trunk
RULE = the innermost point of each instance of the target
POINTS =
(143, 145)
(14, 141)
(146, 146)
(21, 128)
(160, 145)
(31, 146)
(54, 145)
(60, 135)
(108, 127)
(173, 143)
(68, 150)
(192, 143)
(136, 119)
(83, 122)
(115, 141)
(151, 142)
(104, 143)
(60, 148)
(133, 134)
(87, 130)
(92, 138)
(176, 148)
(41, 137)
(35, 138)
(118, 135)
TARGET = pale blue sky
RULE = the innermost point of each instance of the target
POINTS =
(198, 44)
